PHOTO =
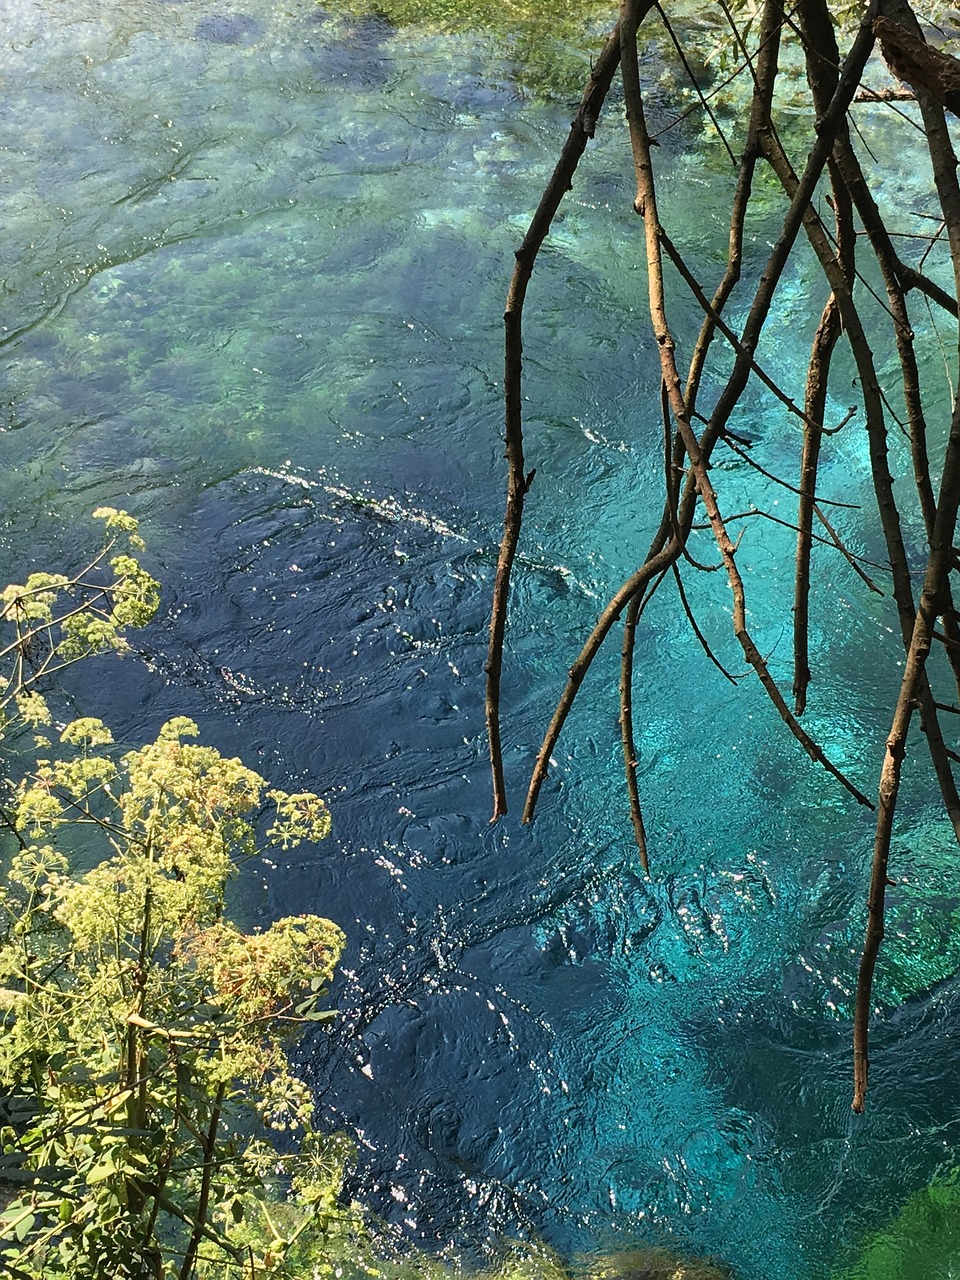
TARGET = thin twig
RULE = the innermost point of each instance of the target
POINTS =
(729, 441)
(851, 559)
(704, 644)
(704, 102)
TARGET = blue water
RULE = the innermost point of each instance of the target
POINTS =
(254, 265)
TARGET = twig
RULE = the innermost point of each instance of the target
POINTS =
(704, 102)
(848, 555)
(731, 443)
(704, 644)
(518, 482)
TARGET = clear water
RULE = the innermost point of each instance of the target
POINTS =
(254, 264)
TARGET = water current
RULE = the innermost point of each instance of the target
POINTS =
(253, 267)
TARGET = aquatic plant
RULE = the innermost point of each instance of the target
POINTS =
(655, 1264)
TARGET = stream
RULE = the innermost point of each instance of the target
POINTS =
(254, 264)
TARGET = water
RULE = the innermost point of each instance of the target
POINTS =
(254, 264)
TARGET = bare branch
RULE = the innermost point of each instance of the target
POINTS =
(939, 563)
(646, 205)
(518, 482)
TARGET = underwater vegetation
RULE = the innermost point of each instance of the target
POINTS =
(626, 1264)
(921, 1243)
(551, 44)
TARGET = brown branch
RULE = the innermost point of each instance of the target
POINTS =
(209, 1147)
(800, 197)
(939, 563)
(694, 286)
(815, 399)
(876, 425)
(760, 107)
(882, 479)
(646, 206)
(672, 470)
(889, 265)
(931, 72)
(938, 566)
(654, 565)
(885, 95)
(913, 279)
(823, 73)
(581, 131)
(664, 550)
(627, 737)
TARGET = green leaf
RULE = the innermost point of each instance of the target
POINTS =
(23, 1228)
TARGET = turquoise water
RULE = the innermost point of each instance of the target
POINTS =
(254, 265)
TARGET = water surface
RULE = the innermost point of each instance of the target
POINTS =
(254, 265)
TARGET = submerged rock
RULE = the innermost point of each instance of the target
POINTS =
(229, 28)
(656, 1264)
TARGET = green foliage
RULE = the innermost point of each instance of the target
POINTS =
(923, 1240)
(152, 1126)
(143, 1057)
(52, 620)
(144, 1035)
